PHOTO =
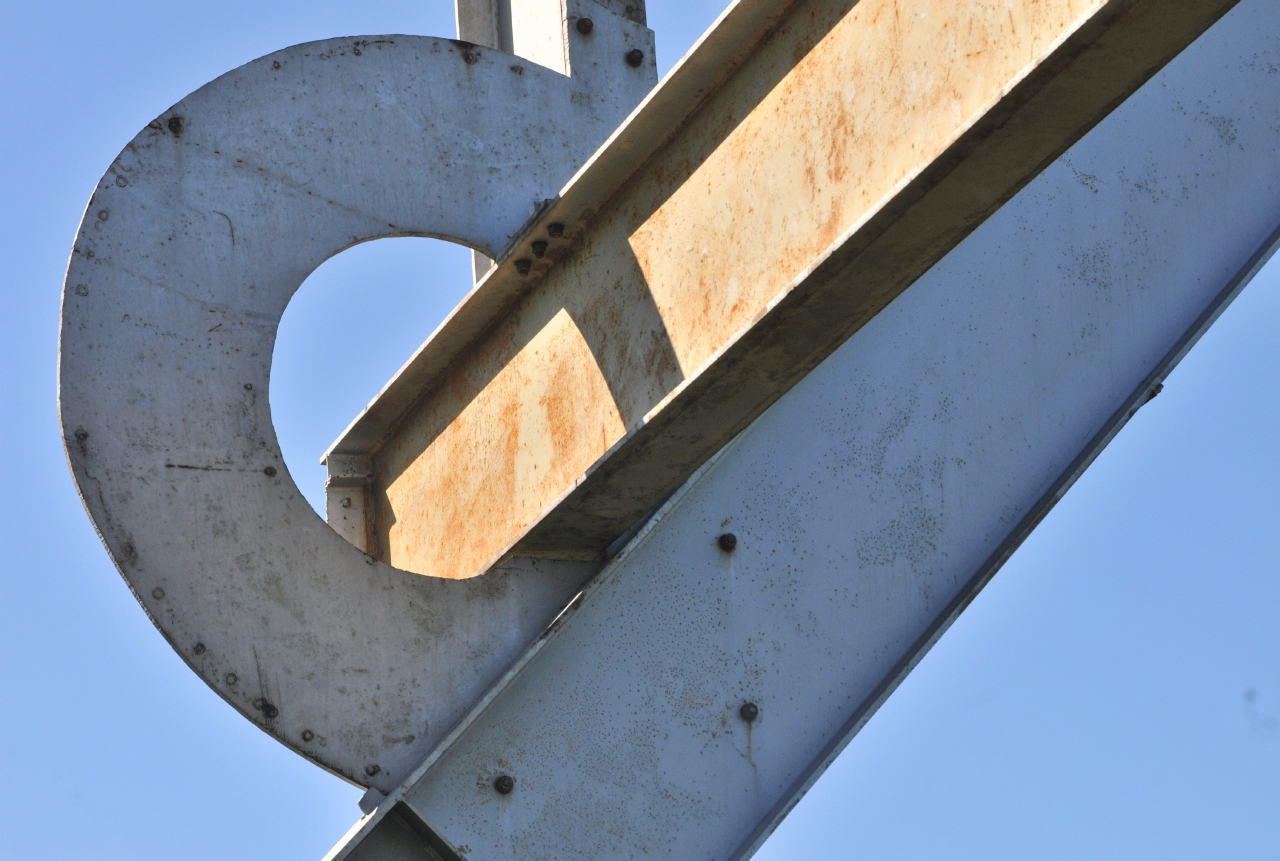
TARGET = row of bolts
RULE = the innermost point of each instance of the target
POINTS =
(634, 58)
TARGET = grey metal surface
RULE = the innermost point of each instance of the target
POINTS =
(872, 501)
(192, 245)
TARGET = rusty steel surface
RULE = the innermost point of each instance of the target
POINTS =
(699, 687)
(843, 157)
(191, 246)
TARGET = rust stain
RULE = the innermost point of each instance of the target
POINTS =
(842, 106)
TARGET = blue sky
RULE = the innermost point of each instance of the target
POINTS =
(1114, 693)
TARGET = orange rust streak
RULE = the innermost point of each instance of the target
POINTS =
(839, 108)
(521, 442)
(875, 100)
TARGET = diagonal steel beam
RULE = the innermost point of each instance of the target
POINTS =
(739, 228)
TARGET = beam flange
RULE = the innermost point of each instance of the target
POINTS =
(710, 256)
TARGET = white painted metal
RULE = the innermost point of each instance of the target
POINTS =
(192, 245)
(873, 500)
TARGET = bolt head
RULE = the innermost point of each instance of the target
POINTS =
(269, 472)
(199, 649)
(523, 266)
(540, 248)
(555, 230)
(749, 712)
(635, 57)
(82, 289)
(176, 125)
(270, 712)
(504, 784)
(728, 542)
(81, 433)
(157, 593)
(231, 678)
(371, 770)
(585, 26)
(308, 735)
(345, 502)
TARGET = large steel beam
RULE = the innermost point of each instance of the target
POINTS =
(871, 502)
(789, 179)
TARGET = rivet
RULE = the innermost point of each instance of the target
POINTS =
(248, 387)
(749, 712)
(345, 502)
(231, 678)
(308, 735)
(555, 230)
(523, 266)
(539, 248)
(176, 124)
(269, 472)
(157, 593)
(585, 26)
(275, 64)
(199, 649)
(371, 770)
(635, 57)
(82, 434)
(727, 542)
(82, 289)
(104, 214)
(127, 547)
(121, 181)
(504, 784)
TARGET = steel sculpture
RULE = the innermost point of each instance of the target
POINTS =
(751, 403)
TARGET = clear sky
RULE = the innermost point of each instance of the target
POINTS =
(1114, 693)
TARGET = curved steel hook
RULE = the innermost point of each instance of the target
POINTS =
(191, 247)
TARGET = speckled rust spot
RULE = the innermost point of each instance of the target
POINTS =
(461, 500)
